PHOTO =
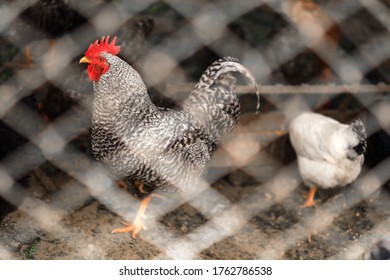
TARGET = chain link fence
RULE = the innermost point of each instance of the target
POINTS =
(56, 202)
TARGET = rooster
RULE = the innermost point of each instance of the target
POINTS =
(162, 148)
(329, 153)
(78, 89)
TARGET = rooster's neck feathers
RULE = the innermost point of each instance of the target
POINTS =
(121, 91)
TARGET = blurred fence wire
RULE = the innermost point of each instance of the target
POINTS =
(326, 56)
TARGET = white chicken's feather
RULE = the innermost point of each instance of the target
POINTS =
(325, 150)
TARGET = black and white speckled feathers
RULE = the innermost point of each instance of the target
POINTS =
(213, 102)
(165, 148)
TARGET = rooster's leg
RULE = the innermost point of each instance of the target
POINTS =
(137, 224)
(310, 198)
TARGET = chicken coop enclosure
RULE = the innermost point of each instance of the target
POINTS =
(330, 57)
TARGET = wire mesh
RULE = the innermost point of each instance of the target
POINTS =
(58, 203)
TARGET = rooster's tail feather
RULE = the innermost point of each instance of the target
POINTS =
(224, 66)
(358, 128)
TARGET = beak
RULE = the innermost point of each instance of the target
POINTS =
(84, 60)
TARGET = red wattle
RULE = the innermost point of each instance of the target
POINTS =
(94, 72)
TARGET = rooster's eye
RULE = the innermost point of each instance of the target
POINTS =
(101, 59)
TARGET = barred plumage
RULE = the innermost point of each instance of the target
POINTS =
(163, 148)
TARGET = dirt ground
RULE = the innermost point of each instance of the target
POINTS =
(93, 222)
(79, 226)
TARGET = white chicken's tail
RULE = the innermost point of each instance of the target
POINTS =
(226, 65)
(358, 128)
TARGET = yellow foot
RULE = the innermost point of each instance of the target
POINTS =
(310, 198)
(133, 228)
(138, 224)
(308, 204)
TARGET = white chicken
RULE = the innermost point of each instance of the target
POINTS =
(329, 153)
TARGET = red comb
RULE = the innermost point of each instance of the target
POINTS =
(103, 46)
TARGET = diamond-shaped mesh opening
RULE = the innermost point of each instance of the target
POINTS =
(358, 31)
(195, 64)
(274, 219)
(303, 250)
(381, 73)
(226, 249)
(183, 219)
(40, 16)
(265, 27)
(168, 20)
